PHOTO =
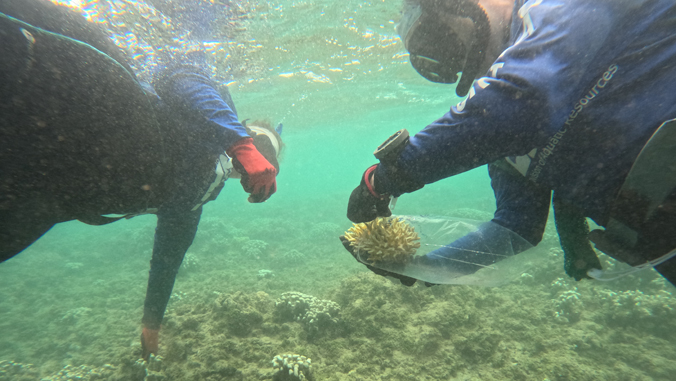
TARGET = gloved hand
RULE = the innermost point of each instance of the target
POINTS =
(258, 175)
(580, 262)
(149, 342)
(365, 203)
(405, 280)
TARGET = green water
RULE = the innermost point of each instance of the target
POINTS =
(335, 74)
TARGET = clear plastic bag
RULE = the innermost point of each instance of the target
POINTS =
(458, 251)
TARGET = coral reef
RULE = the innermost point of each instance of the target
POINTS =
(190, 262)
(265, 274)
(655, 311)
(293, 257)
(82, 373)
(324, 230)
(224, 324)
(15, 371)
(384, 239)
(316, 315)
(178, 296)
(290, 259)
(240, 313)
(568, 306)
(254, 247)
(394, 333)
(74, 315)
(292, 367)
(150, 370)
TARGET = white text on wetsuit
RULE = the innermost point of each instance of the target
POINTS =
(548, 150)
(584, 101)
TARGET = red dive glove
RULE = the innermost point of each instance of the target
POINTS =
(258, 175)
(150, 342)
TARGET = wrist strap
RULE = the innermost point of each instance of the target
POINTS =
(369, 186)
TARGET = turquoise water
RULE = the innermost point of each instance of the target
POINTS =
(336, 75)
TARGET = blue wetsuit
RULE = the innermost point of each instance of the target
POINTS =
(82, 138)
(578, 90)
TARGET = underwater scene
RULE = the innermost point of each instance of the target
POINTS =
(267, 291)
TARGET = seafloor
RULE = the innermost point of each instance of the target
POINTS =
(227, 320)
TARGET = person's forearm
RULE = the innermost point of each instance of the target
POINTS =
(173, 237)
(493, 126)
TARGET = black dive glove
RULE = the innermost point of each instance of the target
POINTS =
(573, 230)
(365, 203)
(405, 280)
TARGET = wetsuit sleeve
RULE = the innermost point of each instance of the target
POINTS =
(522, 209)
(173, 236)
(189, 91)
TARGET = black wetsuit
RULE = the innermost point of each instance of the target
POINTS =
(80, 138)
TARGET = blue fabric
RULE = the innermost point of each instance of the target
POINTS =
(187, 90)
(600, 74)
(520, 207)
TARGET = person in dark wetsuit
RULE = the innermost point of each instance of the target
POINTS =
(567, 95)
(81, 138)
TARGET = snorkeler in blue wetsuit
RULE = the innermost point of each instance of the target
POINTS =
(571, 93)
(81, 139)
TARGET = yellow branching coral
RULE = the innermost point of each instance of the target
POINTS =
(384, 239)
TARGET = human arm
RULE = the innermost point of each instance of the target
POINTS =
(518, 224)
(190, 92)
(527, 95)
(506, 117)
(173, 236)
(187, 90)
